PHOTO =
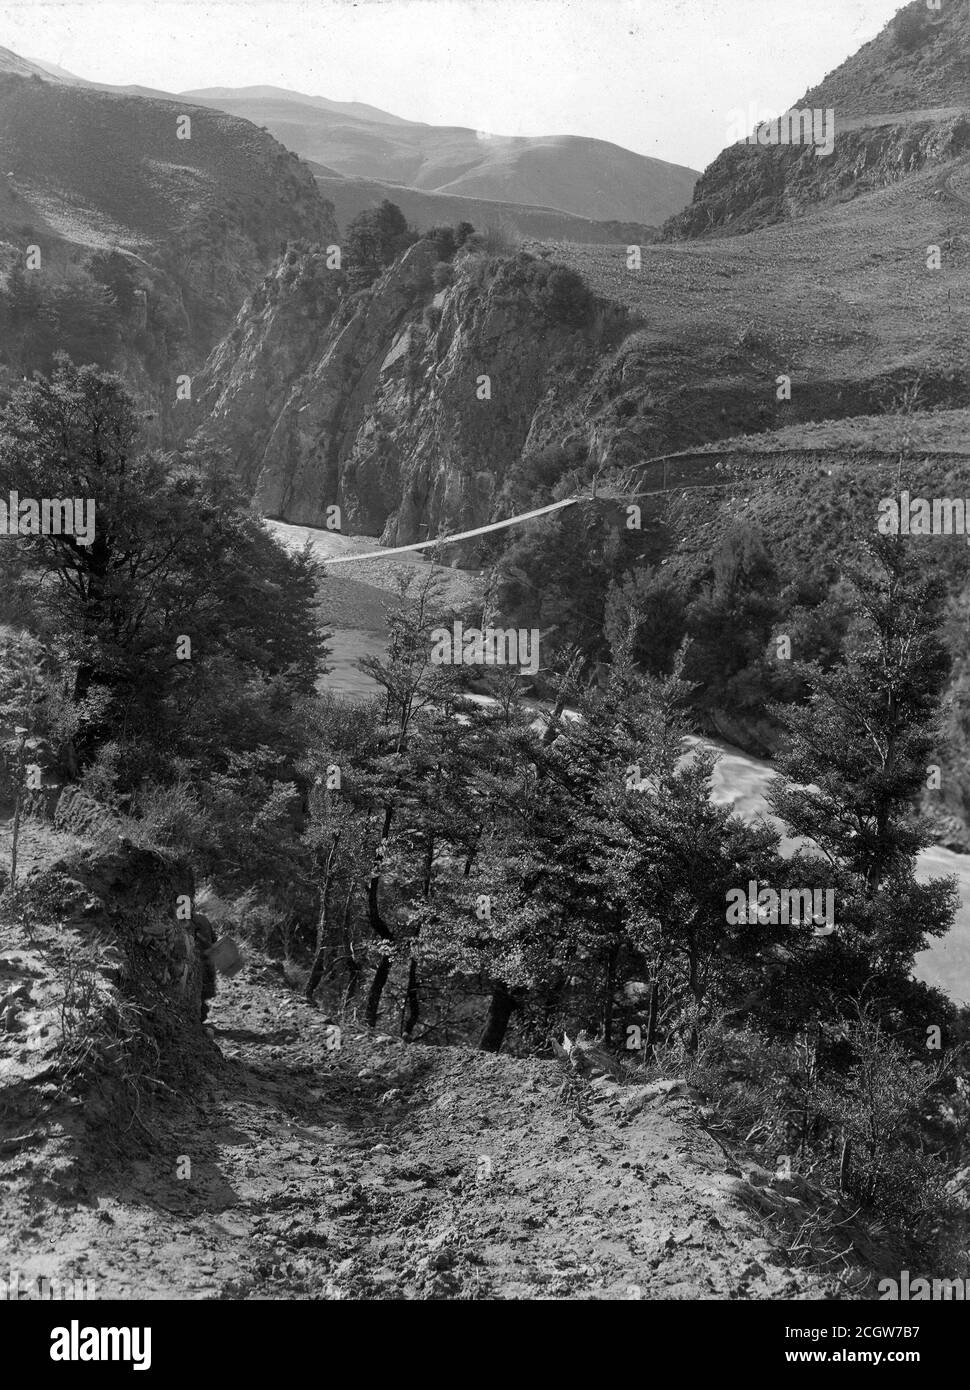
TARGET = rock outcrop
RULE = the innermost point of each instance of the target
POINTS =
(900, 104)
(751, 186)
(410, 408)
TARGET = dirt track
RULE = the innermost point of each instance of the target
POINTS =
(387, 1171)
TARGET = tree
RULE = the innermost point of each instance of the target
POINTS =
(557, 576)
(375, 238)
(603, 858)
(730, 623)
(181, 600)
(660, 610)
(681, 853)
(400, 790)
(853, 766)
(22, 689)
(444, 240)
(463, 231)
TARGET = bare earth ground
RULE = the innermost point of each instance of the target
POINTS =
(376, 1171)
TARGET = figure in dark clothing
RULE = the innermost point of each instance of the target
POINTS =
(205, 937)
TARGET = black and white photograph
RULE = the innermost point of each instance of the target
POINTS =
(484, 664)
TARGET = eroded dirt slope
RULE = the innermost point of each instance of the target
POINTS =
(379, 1171)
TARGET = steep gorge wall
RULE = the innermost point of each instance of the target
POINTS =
(420, 411)
(383, 408)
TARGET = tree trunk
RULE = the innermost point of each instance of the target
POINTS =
(320, 956)
(652, 1012)
(553, 728)
(697, 992)
(316, 972)
(353, 978)
(845, 1167)
(18, 806)
(383, 932)
(500, 1010)
(15, 835)
(412, 1003)
(350, 955)
(377, 984)
(608, 1000)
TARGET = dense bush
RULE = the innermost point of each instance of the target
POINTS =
(40, 316)
(445, 242)
(177, 556)
(911, 26)
(567, 298)
(375, 238)
(496, 239)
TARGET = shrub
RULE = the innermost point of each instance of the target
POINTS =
(911, 27)
(876, 1109)
(444, 241)
(568, 299)
(498, 239)
(375, 238)
(168, 818)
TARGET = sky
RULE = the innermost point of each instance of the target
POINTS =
(660, 77)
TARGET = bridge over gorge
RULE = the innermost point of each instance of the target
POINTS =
(692, 470)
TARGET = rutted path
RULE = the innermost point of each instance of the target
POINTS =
(388, 1171)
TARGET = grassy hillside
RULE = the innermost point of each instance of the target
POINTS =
(841, 301)
(920, 59)
(899, 105)
(350, 196)
(194, 221)
(588, 178)
(96, 170)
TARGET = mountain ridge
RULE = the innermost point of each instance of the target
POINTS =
(572, 174)
(901, 103)
(188, 224)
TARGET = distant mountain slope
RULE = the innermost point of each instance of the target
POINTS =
(59, 74)
(587, 178)
(426, 210)
(98, 166)
(358, 109)
(84, 173)
(26, 67)
(50, 72)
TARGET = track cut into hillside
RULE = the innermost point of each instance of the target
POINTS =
(384, 1171)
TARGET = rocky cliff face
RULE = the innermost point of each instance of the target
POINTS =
(750, 186)
(420, 411)
(901, 104)
(410, 408)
